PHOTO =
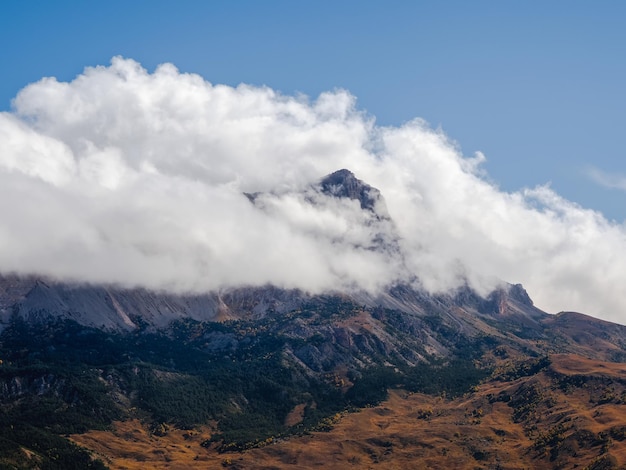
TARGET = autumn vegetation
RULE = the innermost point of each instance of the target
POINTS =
(239, 394)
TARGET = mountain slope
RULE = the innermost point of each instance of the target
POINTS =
(566, 414)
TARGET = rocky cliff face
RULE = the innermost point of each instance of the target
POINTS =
(343, 184)
(105, 307)
(402, 323)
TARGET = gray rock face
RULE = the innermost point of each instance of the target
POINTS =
(344, 184)
(104, 307)
(15, 387)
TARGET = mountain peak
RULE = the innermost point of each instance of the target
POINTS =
(343, 183)
(341, 174)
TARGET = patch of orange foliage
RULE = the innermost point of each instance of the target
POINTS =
(575, 416)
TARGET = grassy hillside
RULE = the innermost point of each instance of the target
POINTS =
(562, 413)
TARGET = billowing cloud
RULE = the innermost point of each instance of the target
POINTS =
(136, 178)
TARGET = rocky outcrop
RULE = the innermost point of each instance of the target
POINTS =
(343, 184)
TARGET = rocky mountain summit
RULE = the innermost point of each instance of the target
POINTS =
(343, 184)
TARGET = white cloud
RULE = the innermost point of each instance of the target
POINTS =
(608, 180)
(138, 178)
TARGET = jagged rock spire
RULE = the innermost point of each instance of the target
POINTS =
(343, 183)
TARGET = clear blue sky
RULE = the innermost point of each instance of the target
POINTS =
(539, 87)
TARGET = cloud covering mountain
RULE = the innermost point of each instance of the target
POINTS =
(136, 178)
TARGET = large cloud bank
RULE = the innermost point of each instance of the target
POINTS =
(136, 178)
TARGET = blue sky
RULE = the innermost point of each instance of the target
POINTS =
(538, 87)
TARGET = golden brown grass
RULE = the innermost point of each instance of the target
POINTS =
(567, 426)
